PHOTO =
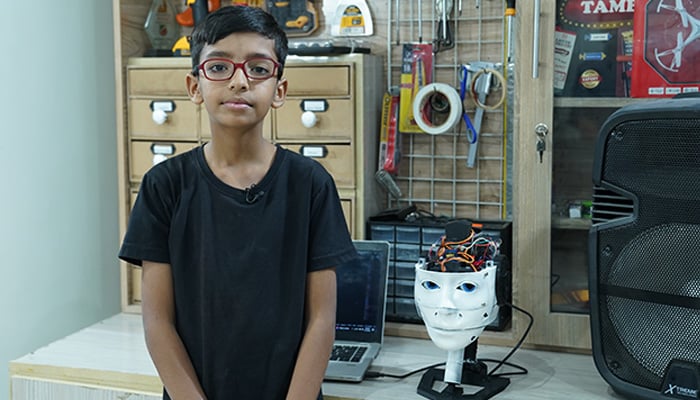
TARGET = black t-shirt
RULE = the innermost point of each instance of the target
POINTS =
(239, 263)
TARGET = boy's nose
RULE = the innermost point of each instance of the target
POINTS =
(238, 79)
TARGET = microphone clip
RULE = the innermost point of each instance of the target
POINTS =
(252, 195)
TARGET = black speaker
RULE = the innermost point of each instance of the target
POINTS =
(644, 250)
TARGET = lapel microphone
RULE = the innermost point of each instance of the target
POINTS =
(251, 196)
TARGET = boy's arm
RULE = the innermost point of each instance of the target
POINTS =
(318, 338)
(162, 340)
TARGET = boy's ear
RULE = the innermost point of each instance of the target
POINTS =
(280, 93)
(193, 91)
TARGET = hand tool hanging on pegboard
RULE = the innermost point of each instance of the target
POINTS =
(510, 16)
(509, 74)
(443, 37)
(479, 86)
(398, 22)
(296, 17)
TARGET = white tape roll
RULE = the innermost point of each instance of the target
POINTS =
(446, 93)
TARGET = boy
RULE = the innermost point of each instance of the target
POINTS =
(238, 237)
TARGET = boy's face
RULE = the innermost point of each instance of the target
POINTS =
(238, 102)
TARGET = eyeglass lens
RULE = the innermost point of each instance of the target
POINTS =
(255, 68)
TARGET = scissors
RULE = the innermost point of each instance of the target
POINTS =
(463, 78)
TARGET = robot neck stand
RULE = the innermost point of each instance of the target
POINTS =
(453, 366)
(461, 360)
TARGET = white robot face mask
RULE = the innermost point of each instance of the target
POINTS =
(455, 306)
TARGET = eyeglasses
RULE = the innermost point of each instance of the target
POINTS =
(222, 69)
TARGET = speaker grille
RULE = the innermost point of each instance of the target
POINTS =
(649, 331)
(657, 158)
(647, 268)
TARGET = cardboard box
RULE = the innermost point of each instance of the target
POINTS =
(666, 48)
(593, 48)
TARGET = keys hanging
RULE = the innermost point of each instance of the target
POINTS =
(541, 130)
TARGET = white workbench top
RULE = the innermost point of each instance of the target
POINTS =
(112, 353)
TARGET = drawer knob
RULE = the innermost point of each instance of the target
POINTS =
(309, 119)
(159, 116)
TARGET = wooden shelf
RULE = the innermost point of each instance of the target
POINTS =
(594, 102)
(570, 223)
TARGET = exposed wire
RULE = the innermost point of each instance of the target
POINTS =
(520, 341)
(374, 374)
(469, 254)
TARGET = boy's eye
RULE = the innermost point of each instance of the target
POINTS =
(218, 68)
(259, 70)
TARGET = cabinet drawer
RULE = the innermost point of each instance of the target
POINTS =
(408, 234)
(181, 123)
(403, 288)
(336, 158)
(408, 252)
(157, 82)
(205, 127)
(406, 270)
(143, 155)
(318, 81)
(406, 308)
(336, 123)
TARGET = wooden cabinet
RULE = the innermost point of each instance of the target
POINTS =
(551, 245)
(332, 114)
(532, 186)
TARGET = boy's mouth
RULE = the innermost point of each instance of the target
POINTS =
(237, 103)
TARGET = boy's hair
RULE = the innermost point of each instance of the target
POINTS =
(237, 19)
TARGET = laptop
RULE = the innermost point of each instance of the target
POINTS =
(359, 326)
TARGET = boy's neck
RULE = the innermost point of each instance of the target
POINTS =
(241, 161)
(237, 147)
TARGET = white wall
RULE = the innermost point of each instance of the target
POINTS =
(58, 205)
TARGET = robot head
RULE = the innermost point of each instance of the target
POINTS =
(455, 306)
(455, 289)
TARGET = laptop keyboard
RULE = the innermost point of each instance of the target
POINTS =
(349, 353)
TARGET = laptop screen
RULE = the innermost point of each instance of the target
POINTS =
(362, 293)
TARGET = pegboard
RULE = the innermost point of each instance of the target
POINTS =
(432, 172)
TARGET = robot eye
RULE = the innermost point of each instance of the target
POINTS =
(467, 287)
(430, 285)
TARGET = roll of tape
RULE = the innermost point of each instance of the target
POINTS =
(425, 96)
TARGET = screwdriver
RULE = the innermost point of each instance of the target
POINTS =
(510, 15)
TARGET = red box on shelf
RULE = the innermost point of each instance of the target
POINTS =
(666, 48)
